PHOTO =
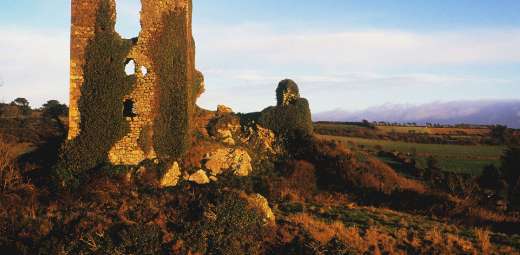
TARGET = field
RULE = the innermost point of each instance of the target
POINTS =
(435, 130)
(453, 158)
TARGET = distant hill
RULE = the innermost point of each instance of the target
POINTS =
(488, 112)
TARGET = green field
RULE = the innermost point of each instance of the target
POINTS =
(453, 158)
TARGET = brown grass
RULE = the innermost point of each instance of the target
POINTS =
(10, 177)
(373, 241)
(483, 240)
(379, 175)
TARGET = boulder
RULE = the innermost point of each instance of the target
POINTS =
(229, 159)
(226, 136)
(224, 109)
(171, 177)
(261, 138)
(260, 203)
(199, 177)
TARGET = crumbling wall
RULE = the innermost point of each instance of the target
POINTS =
(162, 91)
(291, 115)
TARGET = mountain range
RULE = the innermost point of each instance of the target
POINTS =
(486, 112)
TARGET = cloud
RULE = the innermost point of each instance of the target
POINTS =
(330, 66)
(34, 64)
(353, 68)
(454, 112)
(369, 48)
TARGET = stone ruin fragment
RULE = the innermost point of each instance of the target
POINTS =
(147, 114)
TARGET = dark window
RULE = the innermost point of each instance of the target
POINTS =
(128, 109)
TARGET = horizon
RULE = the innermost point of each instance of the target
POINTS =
(344, 55)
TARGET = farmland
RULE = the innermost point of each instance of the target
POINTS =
(435, 130)
(453, 158)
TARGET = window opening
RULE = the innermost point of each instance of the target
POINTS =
(128, 109)
(128, 23)
(130, 67)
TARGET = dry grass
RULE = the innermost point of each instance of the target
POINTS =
(9, 175)
(319, 230)
(483, 240)
(383, 177)
(373, 241)
(488, 215)
(451, 243)
(457, 243)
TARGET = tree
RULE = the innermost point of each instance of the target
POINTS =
(433, 171)
(511, 165)
(501, 134)
(53, 110)
(511, 173)
(490, 178)
(23, 104)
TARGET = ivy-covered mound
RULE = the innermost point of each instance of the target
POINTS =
(291, 114)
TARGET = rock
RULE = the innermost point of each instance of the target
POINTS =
(226, 136)
(287, 92)
(261, 138)
(236, 160)
(241, 164)
(261, 204)
(199, 177)
(224, 109)
(171, 177)
(224, 127)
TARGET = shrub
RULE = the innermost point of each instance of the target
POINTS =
(228, 226)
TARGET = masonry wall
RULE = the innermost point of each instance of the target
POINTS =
(162, 95)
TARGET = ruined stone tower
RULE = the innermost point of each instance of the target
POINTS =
(127, 118)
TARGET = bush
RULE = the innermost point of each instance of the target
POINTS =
(228, 226)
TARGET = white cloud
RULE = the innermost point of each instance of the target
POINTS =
(352, 68)
(346, 49)
(35, 62)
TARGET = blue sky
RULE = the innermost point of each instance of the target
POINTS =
(343, 53)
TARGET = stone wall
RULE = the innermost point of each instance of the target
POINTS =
(137, 145)
(84, 13)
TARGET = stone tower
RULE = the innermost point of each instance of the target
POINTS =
(127, 118)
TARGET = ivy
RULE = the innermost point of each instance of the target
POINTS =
(287, 119)
(102, 93)
(174, 97)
